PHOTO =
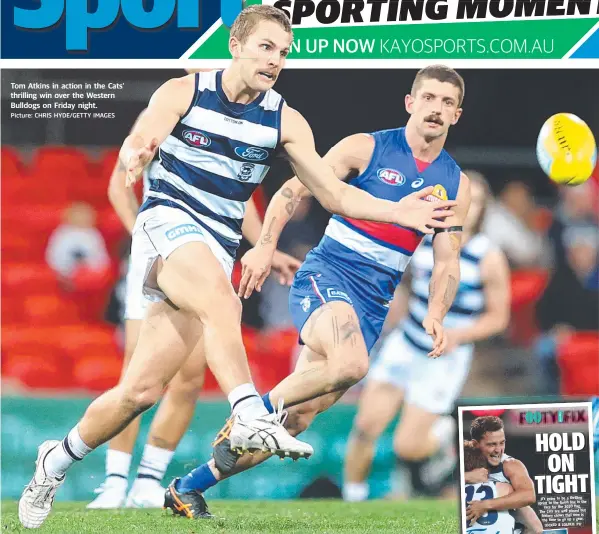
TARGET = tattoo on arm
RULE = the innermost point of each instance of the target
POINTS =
(450, 291)
(431, 290)
(267, 238)
(293, 202)
(455, 241)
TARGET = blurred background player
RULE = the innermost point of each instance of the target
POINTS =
(340, 296)
(403, 376)
(494, 522)
(178, 404)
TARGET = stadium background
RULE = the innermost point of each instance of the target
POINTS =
(61, 339)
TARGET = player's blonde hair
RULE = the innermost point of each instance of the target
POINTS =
(247, 21)
(441, 73)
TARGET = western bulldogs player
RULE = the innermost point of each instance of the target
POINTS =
(218, 133)
(340, 295)
(178, 404)
(404, 376)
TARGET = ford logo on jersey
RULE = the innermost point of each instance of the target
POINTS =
(196, 138)
(251, 152)
(391, 176)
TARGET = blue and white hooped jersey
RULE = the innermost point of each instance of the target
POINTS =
(469, 301)
(216, 156)
(377, 254)
(501, 522)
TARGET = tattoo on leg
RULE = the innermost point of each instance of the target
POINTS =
(335, 332)
(349, 331)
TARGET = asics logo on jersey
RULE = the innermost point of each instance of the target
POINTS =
(251, 152)
(196, 138)
(182, 229)
(417, 183)
(391, 176)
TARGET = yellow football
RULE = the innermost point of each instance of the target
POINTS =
(566, 149)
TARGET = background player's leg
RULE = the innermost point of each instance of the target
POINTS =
(168, 427)
(333, 330)
(378, 405)
(420, 436)
(113, 491)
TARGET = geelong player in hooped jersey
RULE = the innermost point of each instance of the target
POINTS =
(217, 134)
(403, 376)
(340, 295)
(488, 436)
(501, 522)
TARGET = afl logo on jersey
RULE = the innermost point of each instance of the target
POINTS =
(196, 138)
(391, 176)
(251, 152)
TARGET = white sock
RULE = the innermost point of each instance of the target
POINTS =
(355, 491)
(443, 430)
(154, 463)
(246, 402)
(62, 457)
(117, 467)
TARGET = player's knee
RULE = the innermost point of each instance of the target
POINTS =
(366, 430)
(351, 373)
(136, 400)
(187, 389)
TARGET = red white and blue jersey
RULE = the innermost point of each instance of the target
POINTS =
(378, 253)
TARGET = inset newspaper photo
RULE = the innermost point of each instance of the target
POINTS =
(527, 469)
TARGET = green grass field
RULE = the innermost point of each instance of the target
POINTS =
(259, 517)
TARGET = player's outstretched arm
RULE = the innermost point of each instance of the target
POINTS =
(495, 275)
(338, 197)
(445, 277)
(523, 495)
(350, 155)
(167, 105)
(122, 198)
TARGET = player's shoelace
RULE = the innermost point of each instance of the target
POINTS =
(280, 415)
(42, 494)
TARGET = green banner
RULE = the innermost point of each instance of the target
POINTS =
(522, 39)
(26, 422)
